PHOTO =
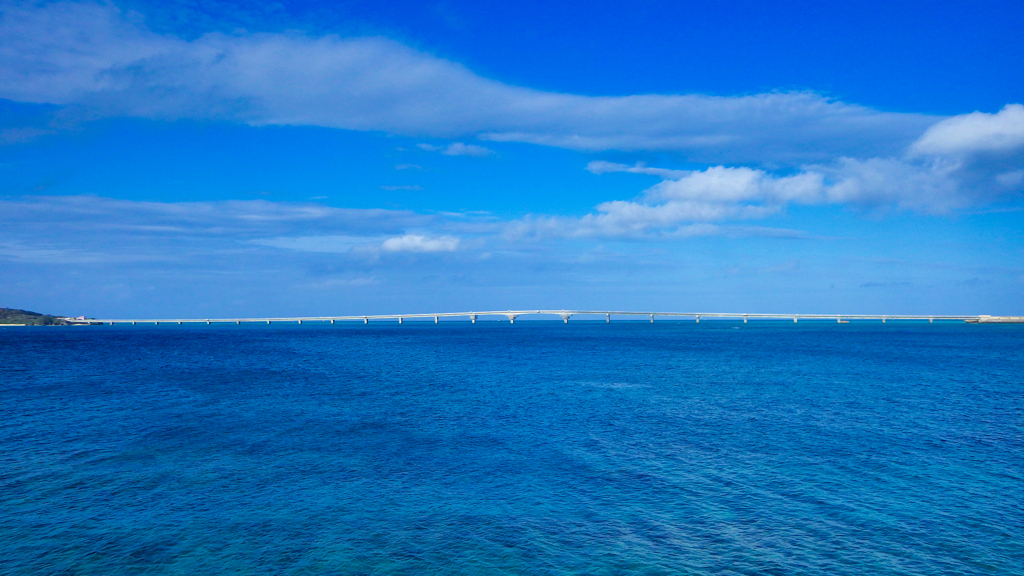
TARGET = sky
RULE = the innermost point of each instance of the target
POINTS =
(215, 159)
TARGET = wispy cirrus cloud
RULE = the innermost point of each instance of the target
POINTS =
(95, 60)
(411, 187)
(458, 149)
(340, 244)
(235, 218)
(96, 229)
(603, 167)
(323, 244)
(420, 243)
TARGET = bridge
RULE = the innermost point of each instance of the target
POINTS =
(565, 315)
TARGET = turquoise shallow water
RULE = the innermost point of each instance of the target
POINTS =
(538, 448)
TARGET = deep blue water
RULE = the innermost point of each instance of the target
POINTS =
(538, 448)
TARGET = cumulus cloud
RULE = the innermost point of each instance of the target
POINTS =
(420, 243)
(974, 133)
(95, 61)
(637, 219)
(719, 184)
(684, 203)
(738, 193)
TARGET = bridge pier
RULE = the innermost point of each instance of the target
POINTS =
(697, 318)
(366, 320)
(332, 320)
(607, 318)
(744, 319)
(399, 319)
(511, 318)
(436, 320)
(652, 318)
(472, 318)
(794, 319)
(565, 318)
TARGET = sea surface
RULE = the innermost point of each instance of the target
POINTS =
(535, 448)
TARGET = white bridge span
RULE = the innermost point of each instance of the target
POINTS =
(565, 315)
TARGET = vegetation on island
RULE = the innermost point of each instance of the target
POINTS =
(13, 316)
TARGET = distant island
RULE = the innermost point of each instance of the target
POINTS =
(14, 316)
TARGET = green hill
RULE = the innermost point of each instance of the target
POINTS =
(12, 316)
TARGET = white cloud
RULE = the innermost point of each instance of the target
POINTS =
(622, 218)
(458, 149)
(247, 219)
(950, 167)
(408, 167)
(334, 283)
(329, 244)
(95, 230)
(719, 184)
(974, 133)
(895, 183)
(602, 167)
(96, 61)
(731, 193)
(682, 206)
(53, 253)
(404, 187)
(93, 59)
(419, 243)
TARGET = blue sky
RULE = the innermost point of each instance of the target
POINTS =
(293, 158)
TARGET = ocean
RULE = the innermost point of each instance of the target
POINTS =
(536, 448)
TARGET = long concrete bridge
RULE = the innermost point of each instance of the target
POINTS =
(565, 315)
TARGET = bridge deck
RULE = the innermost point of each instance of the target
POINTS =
(511, 315)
